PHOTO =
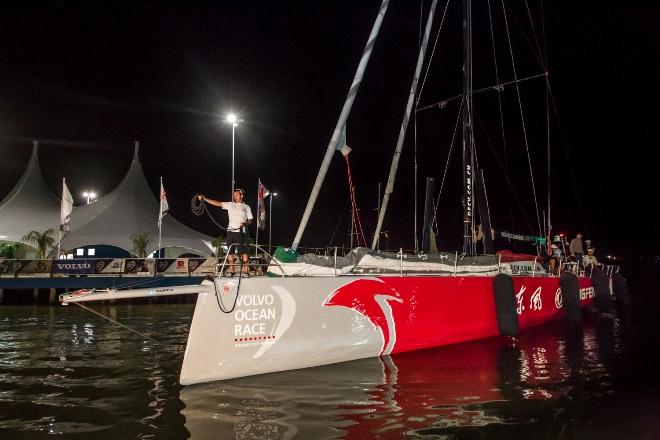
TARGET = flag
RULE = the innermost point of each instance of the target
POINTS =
(262, 193)
(164, 207)
(66, 208)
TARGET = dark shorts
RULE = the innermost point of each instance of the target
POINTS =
(240, 239)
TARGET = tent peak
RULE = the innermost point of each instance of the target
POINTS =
(136, 150)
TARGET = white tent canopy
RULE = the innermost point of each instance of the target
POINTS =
(130, 208)
(30, 205)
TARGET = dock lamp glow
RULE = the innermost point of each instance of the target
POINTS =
(90, 195)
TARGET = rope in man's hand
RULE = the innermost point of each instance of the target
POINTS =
(198, 207)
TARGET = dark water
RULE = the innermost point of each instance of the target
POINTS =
(66, 372)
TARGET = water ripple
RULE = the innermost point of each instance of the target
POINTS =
(67, 372)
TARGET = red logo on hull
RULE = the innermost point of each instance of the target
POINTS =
(371, 298)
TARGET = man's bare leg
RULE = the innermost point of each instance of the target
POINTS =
(246, 266)
(230, 267)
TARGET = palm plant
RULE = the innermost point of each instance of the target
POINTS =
(8, 251)
(43, 241)
(217, 245)
(140, 243)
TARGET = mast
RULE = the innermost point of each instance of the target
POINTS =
(343, 116)
(468, 153)
(548, 230)
(160, 217)
(389, 188)
(378, 213)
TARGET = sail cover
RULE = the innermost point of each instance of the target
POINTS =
(366, 261)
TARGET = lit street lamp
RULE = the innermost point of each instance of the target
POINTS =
(90, 196)
(232, 119)
(270, 222)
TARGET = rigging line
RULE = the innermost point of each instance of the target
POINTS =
(545, 47)
(506, 174)
(536, 39)
(524, 34)
(474, 152)
(428, 66)
(444, 175)
(501, 114)
(566, 151)
(119, 324)
(522, 119)
(332, 239)
(495, 87)
(354, 202)
(483, 180)
(358, 224)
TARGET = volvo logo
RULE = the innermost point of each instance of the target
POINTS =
(74, 266)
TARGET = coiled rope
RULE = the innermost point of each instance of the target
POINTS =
(198, 207)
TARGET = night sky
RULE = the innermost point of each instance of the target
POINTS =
(89, 78)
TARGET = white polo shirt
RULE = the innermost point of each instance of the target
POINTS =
(238, 213)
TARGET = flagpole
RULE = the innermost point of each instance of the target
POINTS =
(160, 217)
(256, 237)
(270, 223)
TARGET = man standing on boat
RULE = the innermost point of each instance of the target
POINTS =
(240, 216)
(577, 251)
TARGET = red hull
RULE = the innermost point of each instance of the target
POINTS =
(437, 311)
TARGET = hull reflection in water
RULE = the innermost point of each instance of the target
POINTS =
(454, 387)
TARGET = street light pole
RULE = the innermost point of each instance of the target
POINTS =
(233, 181)
(233, 120)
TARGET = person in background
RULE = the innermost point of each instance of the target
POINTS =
(556, 252)
(590, 258)
(577, 251)
(553, 266)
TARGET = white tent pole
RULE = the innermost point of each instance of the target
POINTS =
(332, 146)
(389, 188)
